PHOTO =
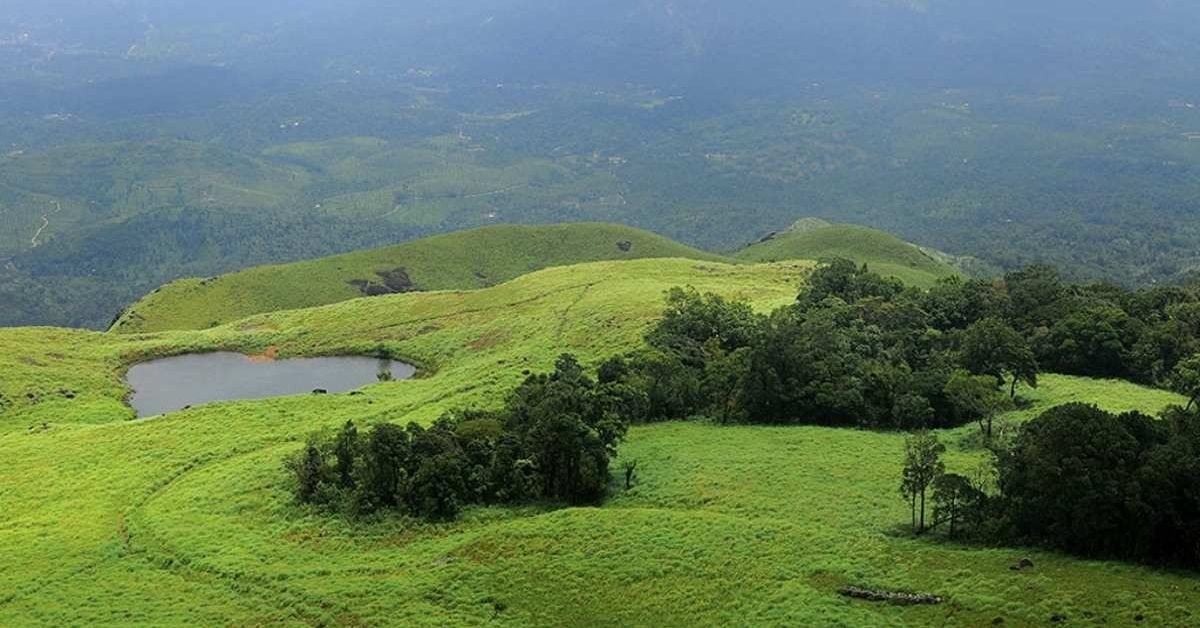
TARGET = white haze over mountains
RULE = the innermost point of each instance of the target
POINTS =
(652, 41)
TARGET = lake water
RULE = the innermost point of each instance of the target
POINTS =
(171, 384)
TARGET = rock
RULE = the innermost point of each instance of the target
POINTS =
(891, 597)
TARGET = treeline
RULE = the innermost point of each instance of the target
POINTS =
(551, 442)
(858, 349)
(1076, 479)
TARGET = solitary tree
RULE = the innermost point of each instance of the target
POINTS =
(922, 466)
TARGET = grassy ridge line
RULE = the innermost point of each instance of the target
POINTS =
(883, 252)
(457, 261)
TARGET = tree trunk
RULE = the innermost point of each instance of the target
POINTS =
(921, 529)
(1012, 391)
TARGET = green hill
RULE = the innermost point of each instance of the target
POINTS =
(456, 261)
(188, 518)
(487, 256)
(883, 252)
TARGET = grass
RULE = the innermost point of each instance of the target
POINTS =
(186, 519)
(488, 256)
(457, 261)
(882, 252)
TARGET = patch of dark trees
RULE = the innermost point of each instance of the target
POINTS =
(855, 349)
(1076, 479)
(551, 443)
(858, 349)
(393, 281)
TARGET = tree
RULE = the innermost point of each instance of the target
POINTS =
(956, 303)
(1070, 480)
(723, 381)
(385, 460)
(1186, 379)
(1090, 340)
(345, 452)
(922, 466)
(1032, 292)
(991, 347)
(975, 397)
(692, 319)
(563, 424)
(845, 280)
(955, 501)
(309, 469)
(630, 467)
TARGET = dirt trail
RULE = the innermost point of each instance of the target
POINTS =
(36, 239)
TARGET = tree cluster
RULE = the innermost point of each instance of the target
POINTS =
(1101, 330)
(1076, 479)
(856, 349)
(552, 441)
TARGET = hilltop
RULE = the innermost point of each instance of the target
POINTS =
(188, 518)
(487, 256)
(884, 253)
(463, 260)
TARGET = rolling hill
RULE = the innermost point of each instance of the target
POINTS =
(486, 256)
(883, 252)
(456, 261)
(188, 518)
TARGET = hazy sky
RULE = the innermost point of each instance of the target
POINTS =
(654, 41)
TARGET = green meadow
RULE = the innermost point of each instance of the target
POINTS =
(188, 518)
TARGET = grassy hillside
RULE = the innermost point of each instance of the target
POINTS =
(457, 261)
(488, 256)
(187, 518)
(882, 252)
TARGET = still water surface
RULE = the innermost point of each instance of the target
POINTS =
(171, 384)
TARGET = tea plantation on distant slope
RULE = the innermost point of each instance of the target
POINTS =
(189, 519)
(883, 252)
(456, 261)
